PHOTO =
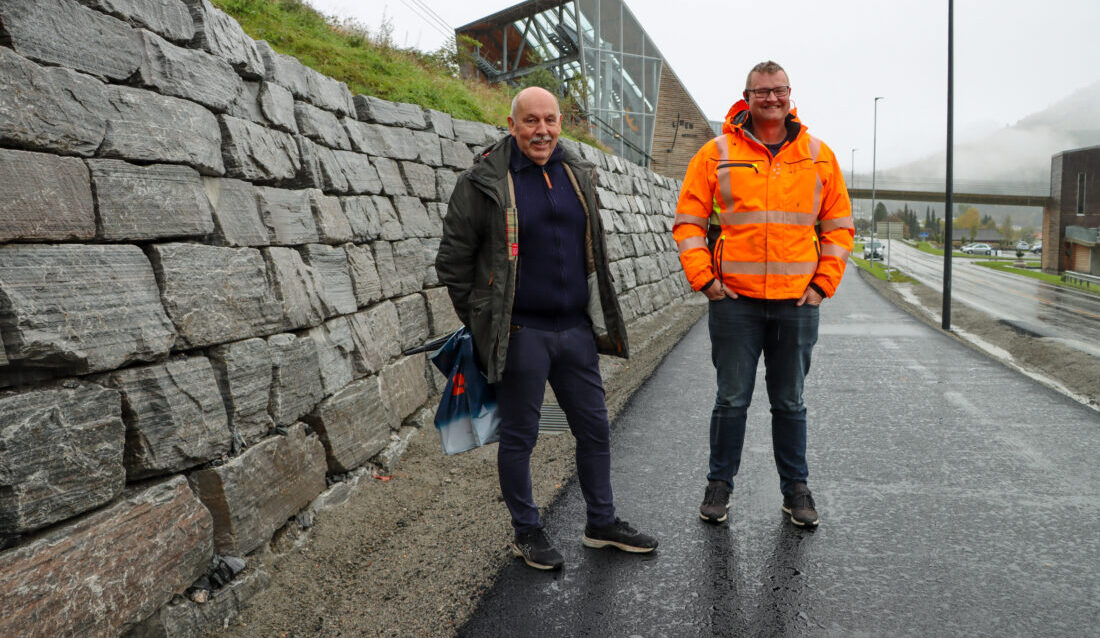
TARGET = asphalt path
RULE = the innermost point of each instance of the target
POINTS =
(1072, 317)
(957, 498)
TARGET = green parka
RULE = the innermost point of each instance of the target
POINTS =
(474, 259)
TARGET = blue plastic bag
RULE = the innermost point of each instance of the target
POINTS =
(467, 414)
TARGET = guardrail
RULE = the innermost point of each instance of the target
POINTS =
(1080, 278)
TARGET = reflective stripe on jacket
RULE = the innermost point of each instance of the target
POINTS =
(786, 221)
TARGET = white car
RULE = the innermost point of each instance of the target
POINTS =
(1023, 245)
(977, 249)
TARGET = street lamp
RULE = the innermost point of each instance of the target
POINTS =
(874, 159)
(853, 176)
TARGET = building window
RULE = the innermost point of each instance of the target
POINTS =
(1080, 193)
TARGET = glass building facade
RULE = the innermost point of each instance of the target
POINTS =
(597, 47)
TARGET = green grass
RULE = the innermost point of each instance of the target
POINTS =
(1055, 280)
(370, 64)
(878, 269)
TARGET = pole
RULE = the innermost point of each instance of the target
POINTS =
(948, 186)
(853, 180)
(874, 160)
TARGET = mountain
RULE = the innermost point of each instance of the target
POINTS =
(1018, 154)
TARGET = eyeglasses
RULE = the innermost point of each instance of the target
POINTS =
(780, 91)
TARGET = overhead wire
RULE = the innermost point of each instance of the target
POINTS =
(416, 10)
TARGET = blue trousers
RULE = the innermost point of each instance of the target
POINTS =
(740, 329)
(568, 360)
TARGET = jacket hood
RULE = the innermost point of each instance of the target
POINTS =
(739, 114)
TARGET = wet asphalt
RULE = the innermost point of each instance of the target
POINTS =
(957, 498)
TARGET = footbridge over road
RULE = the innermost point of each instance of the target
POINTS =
(988, 199)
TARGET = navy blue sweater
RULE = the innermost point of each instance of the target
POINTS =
(551, 288)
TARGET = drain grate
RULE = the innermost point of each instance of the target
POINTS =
(553, 420)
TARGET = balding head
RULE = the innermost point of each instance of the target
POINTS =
(535, 122)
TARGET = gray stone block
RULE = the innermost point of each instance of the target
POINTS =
(356, 169)
(420, 180)
(428, 148)
(50, 109)
(77, 308)
(441, 313)
(404, 385)
(217, 33)
(215, 295)
(183, 617)
(243, 371)
(258, 154)
(237, 219)
(284, 70)
(364, 275)
(187, 73)
(412, 316)
(445, 180)
(476, 133)
(167, 18)
(440, 122)
(321, 126)
(79, 579)
(387, 269)
(414, 217)
(149, 202)
(295, 285)
(456, 154)
(174, 414)
(384, 328)
(377, 110)
(331, 221)
(62, 449)
(147, 127)
(254, 494)
(296, 377)
(328, 93)
(367, 358)
(314, 173)
(44, 197)
(362, 214)
(354, 425)
(390, 174)
(330, 266)
(277, 105)
(388, 219)
(382, 141)
(245, 104)
(287, 215)
(335, 350)
(436, 212)
(429, 248)
(64, 33)
(408, 258)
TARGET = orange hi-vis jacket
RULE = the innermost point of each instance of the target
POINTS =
(786, 221)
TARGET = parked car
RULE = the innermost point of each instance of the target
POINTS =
(1037, 248)
(1023, 245)
(874, 249)
(978, 249)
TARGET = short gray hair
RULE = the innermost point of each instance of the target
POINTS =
(515, 100)
(768, 67)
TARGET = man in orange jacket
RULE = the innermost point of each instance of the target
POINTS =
(764, 229)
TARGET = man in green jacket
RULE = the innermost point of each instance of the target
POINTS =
(524, 260)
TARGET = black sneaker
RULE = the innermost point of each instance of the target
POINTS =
(716, 502)
(800, 505)
(535, 550)
(621, 535)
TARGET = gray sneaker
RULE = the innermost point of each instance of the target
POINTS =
(620, 535)
(800, 506)
(716, 502)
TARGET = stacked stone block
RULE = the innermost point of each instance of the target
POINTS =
(212, 259)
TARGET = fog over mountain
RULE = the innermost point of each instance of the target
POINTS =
(1018, 154)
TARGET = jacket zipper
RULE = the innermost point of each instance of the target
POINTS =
(739, 164)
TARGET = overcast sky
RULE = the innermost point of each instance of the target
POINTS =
(1012, 58)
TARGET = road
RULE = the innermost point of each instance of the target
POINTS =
(1069, 316)
(958, 498)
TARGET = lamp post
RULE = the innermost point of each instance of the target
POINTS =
(874, 159)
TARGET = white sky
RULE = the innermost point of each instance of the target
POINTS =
(1012, 58)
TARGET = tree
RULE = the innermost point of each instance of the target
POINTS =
(880, 212)
(970, 220)
(1006, 229)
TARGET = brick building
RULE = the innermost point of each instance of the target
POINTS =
(1071, 222)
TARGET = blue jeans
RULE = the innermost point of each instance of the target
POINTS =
(740, 329)
(568, 360)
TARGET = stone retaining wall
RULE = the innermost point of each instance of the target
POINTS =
(211, 260)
